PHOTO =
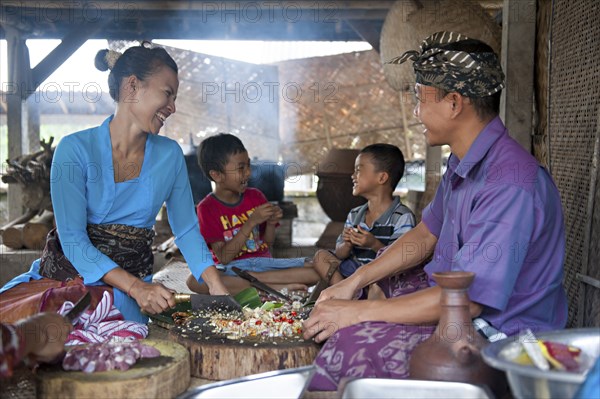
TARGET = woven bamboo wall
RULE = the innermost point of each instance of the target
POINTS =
(222, 95)
(574, 107)
(345, 103)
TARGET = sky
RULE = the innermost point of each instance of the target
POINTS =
(79, 68)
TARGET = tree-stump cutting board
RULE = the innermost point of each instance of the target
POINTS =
(214, 357)
(165, 376)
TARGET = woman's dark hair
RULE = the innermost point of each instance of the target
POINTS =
(387, 158)
(214, 152)
(139, 61)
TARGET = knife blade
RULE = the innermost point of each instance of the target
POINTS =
(321, 285)
(209, 302)
(80, 307)
(259, 284)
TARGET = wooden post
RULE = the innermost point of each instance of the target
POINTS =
(33, 125)
(18, 65)
(518, 57)
(23, 117)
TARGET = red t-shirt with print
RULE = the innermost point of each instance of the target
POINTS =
(220, 222)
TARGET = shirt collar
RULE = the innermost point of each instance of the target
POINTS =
(484, 141)
(385, 216)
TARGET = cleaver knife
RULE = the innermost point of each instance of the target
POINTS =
(321, 285)
(259, 284)
(209, 302)
(80, 307)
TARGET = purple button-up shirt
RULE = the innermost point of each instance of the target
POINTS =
(497, 213)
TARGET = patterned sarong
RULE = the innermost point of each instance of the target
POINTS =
(373, 349)
(129, 247)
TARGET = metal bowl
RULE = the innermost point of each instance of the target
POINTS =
(531, 382)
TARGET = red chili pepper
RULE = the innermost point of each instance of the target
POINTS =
(293, 313)
(258, 322)
(237, 322)
(290, 321)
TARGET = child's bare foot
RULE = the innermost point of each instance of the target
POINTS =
(290, 287)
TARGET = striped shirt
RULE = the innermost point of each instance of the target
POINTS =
(394, 222)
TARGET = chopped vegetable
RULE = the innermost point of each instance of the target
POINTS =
(560, 356)
(271, 305)
(259, 323)
(248, 298)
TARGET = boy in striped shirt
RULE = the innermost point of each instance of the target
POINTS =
(370, 227)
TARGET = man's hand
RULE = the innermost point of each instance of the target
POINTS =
(328, 317)
(44, 335)
(153, 298)
(345, 289)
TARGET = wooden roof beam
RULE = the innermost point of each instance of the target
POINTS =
(75, 39)
(367, 31)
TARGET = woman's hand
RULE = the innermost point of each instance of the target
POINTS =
(152, 298)
(329, 316)
(44, 335)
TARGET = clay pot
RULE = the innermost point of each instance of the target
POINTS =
(334, 190)
(452, 353)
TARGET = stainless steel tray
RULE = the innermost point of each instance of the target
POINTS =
(383, 388)
(288, 383)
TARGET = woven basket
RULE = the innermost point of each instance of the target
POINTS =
(409, 22)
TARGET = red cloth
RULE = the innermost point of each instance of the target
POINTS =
(44, 295)
(220, 222)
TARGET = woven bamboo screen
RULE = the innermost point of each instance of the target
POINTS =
(345, 102)
(222, 95)
(573, 130)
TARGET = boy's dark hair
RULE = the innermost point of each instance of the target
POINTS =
(485, 107)
(214, 152)
(387, 158)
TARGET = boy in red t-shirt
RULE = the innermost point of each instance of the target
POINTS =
(238, 223)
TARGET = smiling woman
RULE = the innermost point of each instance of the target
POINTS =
(109, 183)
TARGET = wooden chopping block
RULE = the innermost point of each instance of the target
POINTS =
(215, 358)
(165, 376)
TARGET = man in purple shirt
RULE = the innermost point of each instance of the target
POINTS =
(496, 213)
